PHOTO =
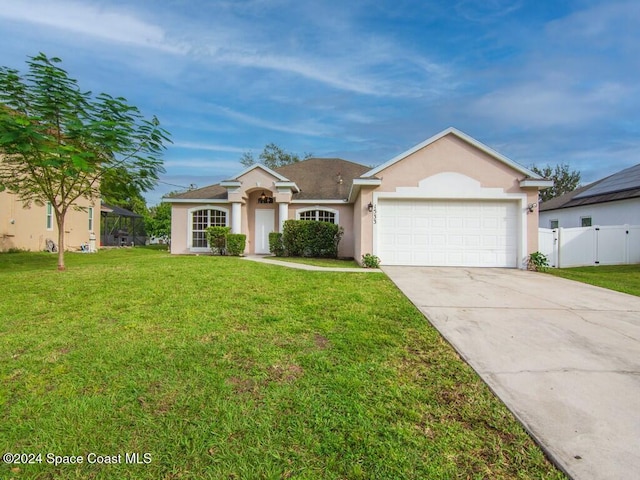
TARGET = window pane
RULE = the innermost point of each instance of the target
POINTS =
(200, 221)
(218, 218)
(199, 240)
(325, 216)
(318, 215)
(586, 221)
(49, 216)
(554, 223)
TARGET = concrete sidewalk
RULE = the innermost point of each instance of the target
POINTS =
(304, 266)
(563, 356)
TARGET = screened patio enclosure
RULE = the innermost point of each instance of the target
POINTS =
(121, 227)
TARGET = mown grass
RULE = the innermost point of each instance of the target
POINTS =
(623, 278)
(227, 369)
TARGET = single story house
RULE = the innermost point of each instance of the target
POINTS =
(449, 200)
(614, 200)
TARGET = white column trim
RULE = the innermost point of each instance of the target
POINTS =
(236, 217)
(283, 214)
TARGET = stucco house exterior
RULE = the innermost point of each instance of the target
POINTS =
(449, 200)
(29, 228)
(613, 200)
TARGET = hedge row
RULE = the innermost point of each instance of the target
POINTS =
(223, 242)
(306, 238)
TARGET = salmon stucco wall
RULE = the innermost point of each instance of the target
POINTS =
(345, 220)
(363, 224)
(532, 221)
(179, 227)
(180, 221)
(181, 224)
(451, 155)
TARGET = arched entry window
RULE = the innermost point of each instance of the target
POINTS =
(318, 214)
(200, 220)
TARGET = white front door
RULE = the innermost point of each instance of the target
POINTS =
(265, 220)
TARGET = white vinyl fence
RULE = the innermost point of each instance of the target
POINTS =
(575, 247)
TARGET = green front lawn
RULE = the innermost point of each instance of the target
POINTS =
(221, 368)
(623, 278)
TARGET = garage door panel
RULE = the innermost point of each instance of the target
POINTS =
(473, 240)
(404, 240)
(455, 222)
(472, 222)
(421, 222)
(448, 232)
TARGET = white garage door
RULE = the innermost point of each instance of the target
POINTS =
(469, 233)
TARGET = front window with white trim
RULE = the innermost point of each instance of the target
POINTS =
(49, 216)
(203, 219)
(318, 215)
(91, 219)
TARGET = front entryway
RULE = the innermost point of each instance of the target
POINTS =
(265, 220)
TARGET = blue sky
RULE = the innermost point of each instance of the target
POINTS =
(540, 81)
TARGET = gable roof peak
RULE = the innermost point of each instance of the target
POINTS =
(262, 167)
(463, 136)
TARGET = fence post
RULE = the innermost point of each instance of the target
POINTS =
(596, 253)
(627, 259)
(559, 255)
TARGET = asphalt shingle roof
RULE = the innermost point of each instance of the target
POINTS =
(317, 178)
(322, 178)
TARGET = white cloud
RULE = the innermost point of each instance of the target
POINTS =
(308, 128)
(92, 21)
(212, 165)
(208, 147)
(579, 73)
(486, 10)
(546, 104)
(610, 21)
(310, 68)
(344, 58)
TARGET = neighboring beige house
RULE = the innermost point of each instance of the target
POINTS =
(29, 228)
(449, 201)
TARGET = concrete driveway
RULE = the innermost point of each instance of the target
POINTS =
(562, 355)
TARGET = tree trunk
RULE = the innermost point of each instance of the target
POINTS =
(60, 222)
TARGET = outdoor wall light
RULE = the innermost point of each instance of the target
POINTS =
(532, 207)
(264, 199)
(370, 207)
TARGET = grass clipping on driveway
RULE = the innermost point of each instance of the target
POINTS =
(221, 368)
